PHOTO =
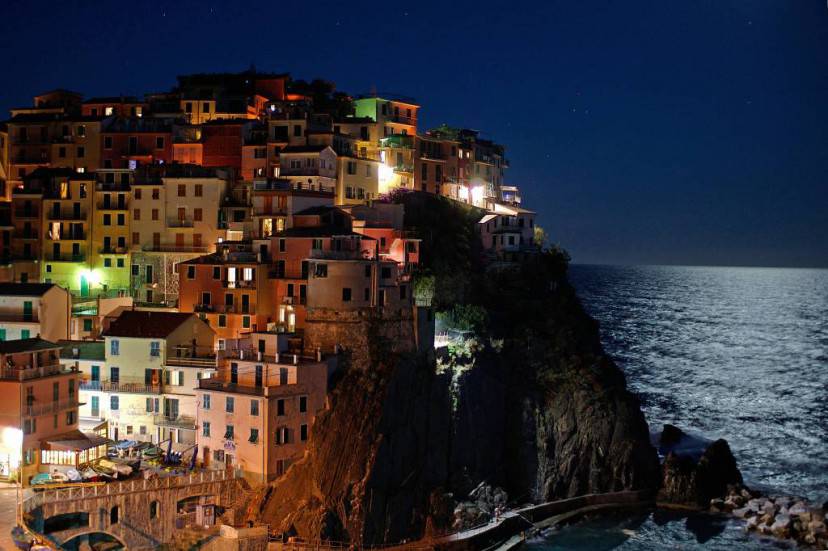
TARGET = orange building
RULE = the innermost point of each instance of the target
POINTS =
(229, 289)
(38, 410)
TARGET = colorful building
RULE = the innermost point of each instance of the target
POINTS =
(30, 310)
(257, 412)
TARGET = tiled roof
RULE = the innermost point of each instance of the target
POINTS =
(87, 350)
(24, 289)
(146, 325)
(26, 345)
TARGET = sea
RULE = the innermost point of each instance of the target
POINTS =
(734, 353)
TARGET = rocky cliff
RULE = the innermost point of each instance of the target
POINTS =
(527, 402)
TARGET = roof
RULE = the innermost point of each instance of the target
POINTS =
(26, 345)
(87, 350)
(146, 325)
(320, 231)
(487, 218)
(316, 210)
(49, 117)
(303, 149)
(113, 99)
(74, 440)
(25, 289)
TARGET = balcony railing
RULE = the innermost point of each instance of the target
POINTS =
(23, 234)
(338, 255)
(113, 250)
(26, 213)
(127, 387)
(65, 257)
(178, 421)
(192, 361)
(46, 408)
(239, 284)
(222, 386)
(67, 236)
(102, 205)
(63, 215)
(26, 373)
(175, 223)
(174, 249)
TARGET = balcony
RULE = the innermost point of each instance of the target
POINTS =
(27, 373)
(63, 215)
(103, 205)
(67, 236)
(34, 409)
(113, 250)
(203, 362)
(125, 386)
(239, 284)
(65, 257)
(177, 421)
(303, 171)
(398, 140)
(320, 254)
(221, 386)
(408, 169)
(23, 234)
(401, 119)
(26, 213)
(180, 224)
(173, 249)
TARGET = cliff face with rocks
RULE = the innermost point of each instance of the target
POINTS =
(527, 402)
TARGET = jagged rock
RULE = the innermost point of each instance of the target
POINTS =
(744, 512)
(781, 526)
(769, 508)
(691, 482)
(798, 508)
(816, 528)
(717, 504)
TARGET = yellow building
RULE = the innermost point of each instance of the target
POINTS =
(110, 235)
(67, 221)
(357, 180)
(175, 217)
(146, 388)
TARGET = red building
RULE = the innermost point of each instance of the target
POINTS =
(130, 142)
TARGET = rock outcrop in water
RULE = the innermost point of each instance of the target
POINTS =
(529, 403)
(695, 471)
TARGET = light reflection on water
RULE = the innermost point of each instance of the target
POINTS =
(736, 353)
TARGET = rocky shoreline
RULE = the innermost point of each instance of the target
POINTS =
(784, 517)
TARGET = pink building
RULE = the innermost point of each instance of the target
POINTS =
(256, 414)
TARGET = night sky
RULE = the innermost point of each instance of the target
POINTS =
(663, 131)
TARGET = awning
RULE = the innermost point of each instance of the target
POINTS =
(74, 441)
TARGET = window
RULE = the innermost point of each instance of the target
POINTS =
(320, 270)
(155, 349)
(121, 219)
(107, 142)
(136, 214)
(114, 347)
(197, 215)
(282, 435)
(216, 272)
(156, 194)
(254, 408)
(29, 426)
(246, 322)
(153, 509)
(206, 298)
(228, 432)
(386, 273)
(159, 142)
(303, 433)
(282, 245)
(119, 262)
(205, 429)
(87, 325)
(113, 403)
(137, 193)
(107, 219)
(199, 190)
(230, 404)
(81, 152)
(403, 292)
(191, 272)
(303, 404)
(142, 430)
(280, 406)
(346, 294)
(25, 333)
(316, 244)
(81, 130)
(182, 190)
(254, 436)
(222, 320)
(155, 214)
(188, 107)
(352, 167)
(206, 402)
(136, 240)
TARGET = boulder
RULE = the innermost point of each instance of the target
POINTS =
(817, 528)
(743, 512)
(781, 526)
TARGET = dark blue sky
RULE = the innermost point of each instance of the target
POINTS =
(678, 131)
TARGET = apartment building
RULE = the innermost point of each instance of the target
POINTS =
(153, 361)
(257, 412)
(29, 310)
(38, 408)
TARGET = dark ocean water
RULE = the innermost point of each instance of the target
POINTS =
(734, 353)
